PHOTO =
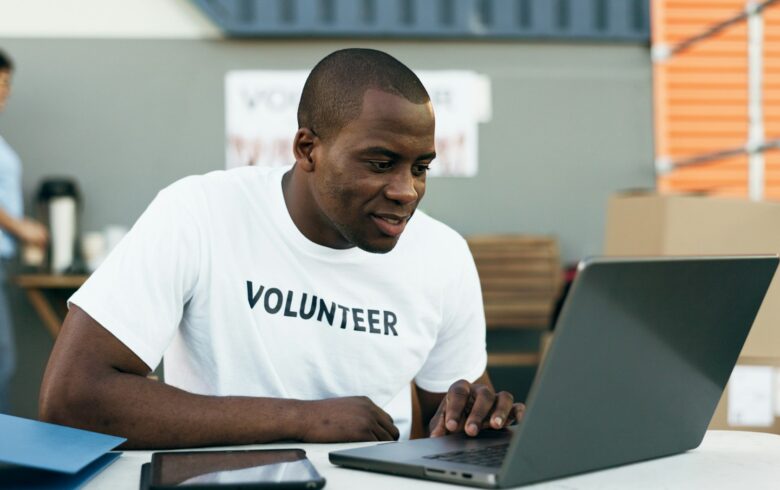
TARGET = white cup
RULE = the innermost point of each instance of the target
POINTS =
(93, 249)
(114, 235)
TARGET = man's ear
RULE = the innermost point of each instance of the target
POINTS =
(303, 148)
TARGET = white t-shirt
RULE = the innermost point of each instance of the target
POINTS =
(217, 277)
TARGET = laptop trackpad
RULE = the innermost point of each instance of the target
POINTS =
(422, 448)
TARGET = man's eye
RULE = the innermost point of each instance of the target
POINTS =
(420, 169)
(381, 165)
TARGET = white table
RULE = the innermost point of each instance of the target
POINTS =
(725, 460)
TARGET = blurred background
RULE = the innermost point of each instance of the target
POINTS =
(621, 127)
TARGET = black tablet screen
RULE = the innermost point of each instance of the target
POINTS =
(208, 468)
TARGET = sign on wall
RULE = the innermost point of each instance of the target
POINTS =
(261, 107)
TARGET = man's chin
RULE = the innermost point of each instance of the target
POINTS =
(383, 246)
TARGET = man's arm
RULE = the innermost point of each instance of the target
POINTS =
(467, 407)
(95, 382)
(26, 230)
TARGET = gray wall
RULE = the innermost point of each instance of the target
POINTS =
(571, 124)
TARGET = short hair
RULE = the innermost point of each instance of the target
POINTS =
(5, 62)
(333, 93)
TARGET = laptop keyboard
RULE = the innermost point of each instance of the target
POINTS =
(490, 456)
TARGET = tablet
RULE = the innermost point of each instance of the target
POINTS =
(266, 468)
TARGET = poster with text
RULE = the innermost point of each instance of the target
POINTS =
(261, 121)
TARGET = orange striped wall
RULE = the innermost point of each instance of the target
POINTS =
(701, 95)
(772, 96)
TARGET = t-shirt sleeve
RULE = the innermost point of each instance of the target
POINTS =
(138, 293)
(459, 351)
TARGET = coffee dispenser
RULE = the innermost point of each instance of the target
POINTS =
(59, 206)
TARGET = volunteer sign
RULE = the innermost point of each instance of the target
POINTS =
(261, 120)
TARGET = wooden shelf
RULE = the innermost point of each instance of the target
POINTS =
(49, 281)
(38, 288)
(513, 359)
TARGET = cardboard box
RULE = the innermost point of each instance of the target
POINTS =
(650, 224)
(765, 393)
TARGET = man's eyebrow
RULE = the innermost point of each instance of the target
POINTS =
(378, 150)
(396, 156)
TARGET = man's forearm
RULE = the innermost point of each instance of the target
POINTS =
(94, 381)
(151, 414)
(8, 223)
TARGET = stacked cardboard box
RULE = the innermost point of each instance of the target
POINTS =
(521, 280)
(520, 276)
(649, 224)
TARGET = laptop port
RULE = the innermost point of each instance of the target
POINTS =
(467, 475)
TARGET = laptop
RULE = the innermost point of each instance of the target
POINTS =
(643, 349)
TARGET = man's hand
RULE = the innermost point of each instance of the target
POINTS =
(31, 232)
(470, 407)
(348, 419)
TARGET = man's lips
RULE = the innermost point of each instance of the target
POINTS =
(390, 224)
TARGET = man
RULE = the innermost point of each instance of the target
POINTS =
(290, 303)
(13, 227)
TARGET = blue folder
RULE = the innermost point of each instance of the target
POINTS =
(41, 455)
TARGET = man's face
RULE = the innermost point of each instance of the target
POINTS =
(5, 87)
(369, 178)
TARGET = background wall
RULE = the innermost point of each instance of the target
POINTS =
(571, 124)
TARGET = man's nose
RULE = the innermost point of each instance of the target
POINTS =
(402, 188)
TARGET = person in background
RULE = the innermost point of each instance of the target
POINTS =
(14, 227)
